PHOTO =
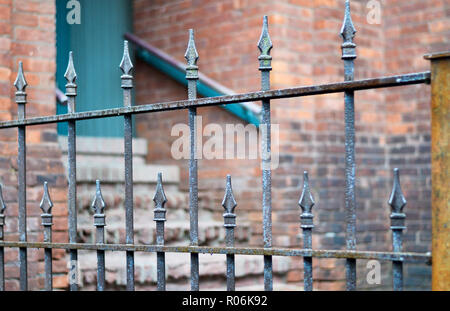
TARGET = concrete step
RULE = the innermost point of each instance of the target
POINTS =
(176, 232)
(103, 158)
(249, 271)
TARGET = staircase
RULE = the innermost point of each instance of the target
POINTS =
(102, 158)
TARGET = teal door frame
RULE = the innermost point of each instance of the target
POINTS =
(97, 45)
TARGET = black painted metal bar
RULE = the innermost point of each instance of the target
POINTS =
(21, 100)
(258, 251)
(127, 85)
(348, 55)
(338, 87)
(160, 217)
(397, 201)
(265, 66)
(191, 56)
(98, 205)
(71, 93)
(306, 203)
(47, 218)
(229, 222)
(2, 249)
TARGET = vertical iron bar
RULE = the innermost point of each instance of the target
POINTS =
(348, 55)
(229, 222)
(306, 203)
(98, 205)
(160, 217)
(265, 61)
(2, 250)
(21, 100)
(46, 207)
(71, 93)
(397, 201)
(191, 56)
(127, 85)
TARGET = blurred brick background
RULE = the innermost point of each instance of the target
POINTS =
(392, 126)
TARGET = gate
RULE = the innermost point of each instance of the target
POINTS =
(397, 200)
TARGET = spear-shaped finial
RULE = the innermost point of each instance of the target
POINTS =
(46, 207)
(98, 204)
(46, 202)
(160, 197)
(20, 82)
(264, 46)
(348, 32)
(70, 74)
(191, 56)
(397, 200)
(229, 203)
(2, 202)
(160, 200)
(306, 203)
(126, 65)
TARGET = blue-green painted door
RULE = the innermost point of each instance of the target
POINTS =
(97, 45)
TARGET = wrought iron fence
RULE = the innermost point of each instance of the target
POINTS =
(306, 202)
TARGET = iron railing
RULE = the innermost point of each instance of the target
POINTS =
(306, 202)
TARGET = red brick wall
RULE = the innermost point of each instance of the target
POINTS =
(412, 29)
(27, 33)
(392, 125)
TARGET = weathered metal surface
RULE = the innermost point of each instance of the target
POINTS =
(47, 218)
(71, 93)
(306, 203)
(2, 250)
(359, 85)
(440, 169)
(342, 254)
(229, 222)
(348, 55)
(127, 85)
(21, 100)
(98, 205)
(265, 66)
(397, 201)
(441, 214)
(160, 217)
(191, 56)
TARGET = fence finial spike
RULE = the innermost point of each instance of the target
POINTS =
(98, 204)
(397, 200)
(126, 65)
(264, 43)
(229, 203)
(191, 54)
(2, 202)
(20, 82)
(70, 74)
(306, 201)
(46, 202)
(348, 30)
(160, 197)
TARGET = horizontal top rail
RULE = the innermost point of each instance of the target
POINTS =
(357, 85)
(390, 256)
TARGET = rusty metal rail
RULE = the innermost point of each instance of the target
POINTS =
(306, 202)
(339, 87)
(292, 252)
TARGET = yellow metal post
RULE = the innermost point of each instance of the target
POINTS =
(440, 168)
